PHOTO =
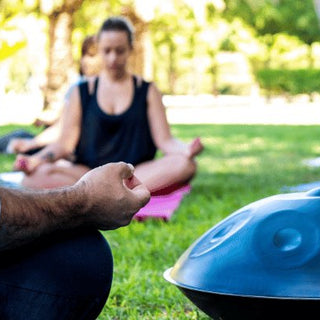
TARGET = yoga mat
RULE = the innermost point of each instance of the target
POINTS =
(162, 206)
(11, 179)
(302, 187)
(313, 163)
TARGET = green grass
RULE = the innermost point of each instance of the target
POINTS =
(240, 164)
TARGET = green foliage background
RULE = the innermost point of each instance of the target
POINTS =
(293, 82)
(188, 53)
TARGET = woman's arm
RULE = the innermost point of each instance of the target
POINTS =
(106, 197)
(68, 135)
(160, 128)
(47, 136)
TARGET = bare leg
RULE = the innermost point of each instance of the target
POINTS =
(158, 174)
(53, 175)
(165, 172)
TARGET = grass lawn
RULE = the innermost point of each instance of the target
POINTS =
(240, 164)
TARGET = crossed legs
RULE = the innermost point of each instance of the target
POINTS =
(166, 172)
(156, 174)
(66, 276)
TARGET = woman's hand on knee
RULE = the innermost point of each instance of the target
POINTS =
(20, 145)
(111, 195)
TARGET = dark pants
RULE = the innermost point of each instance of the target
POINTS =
(64, 276)
(5, 139)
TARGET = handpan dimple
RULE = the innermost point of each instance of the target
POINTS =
(286, 239)
(223, 232)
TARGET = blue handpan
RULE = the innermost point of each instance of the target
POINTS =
(260, 262)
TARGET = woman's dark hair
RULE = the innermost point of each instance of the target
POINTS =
(118, 24)
(89, 63)
(89, 46)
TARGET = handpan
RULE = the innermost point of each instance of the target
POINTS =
(261, 262)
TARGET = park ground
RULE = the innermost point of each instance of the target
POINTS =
(252, 150)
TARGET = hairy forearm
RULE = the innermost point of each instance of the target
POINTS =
(26, 215)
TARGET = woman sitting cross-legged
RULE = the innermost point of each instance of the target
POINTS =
(116, 116)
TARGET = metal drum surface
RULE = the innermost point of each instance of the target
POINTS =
(265, 256)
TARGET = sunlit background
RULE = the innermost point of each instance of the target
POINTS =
(220, 64)
(222, 61)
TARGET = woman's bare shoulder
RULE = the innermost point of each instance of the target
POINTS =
(154, 92)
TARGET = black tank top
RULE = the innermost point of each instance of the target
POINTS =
(108, 138)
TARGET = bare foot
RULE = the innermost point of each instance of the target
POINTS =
(195, 147)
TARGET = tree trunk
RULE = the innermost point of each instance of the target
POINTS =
(172, 70)
(311, 66)
(60, 59)
(137, 59)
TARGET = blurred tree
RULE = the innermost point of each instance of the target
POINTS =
(165, 28)
(9, 46)
(269, 17)
(186, 36)
(137, 59)
(176, 41)
(192, 30)
(217, 38)
(300, 19)
(11, 41)
(60, 60)
(67, 18)
(59, 15)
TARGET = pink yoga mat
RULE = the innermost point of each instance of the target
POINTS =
(163, 206)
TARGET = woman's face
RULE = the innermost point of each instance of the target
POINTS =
(115, 50)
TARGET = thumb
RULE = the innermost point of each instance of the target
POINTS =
(142, 194)
(126, 170)
(132, 182)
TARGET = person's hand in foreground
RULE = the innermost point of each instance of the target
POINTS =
(113, 195)
(106, 197)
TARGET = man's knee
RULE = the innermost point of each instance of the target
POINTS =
(71, 271)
